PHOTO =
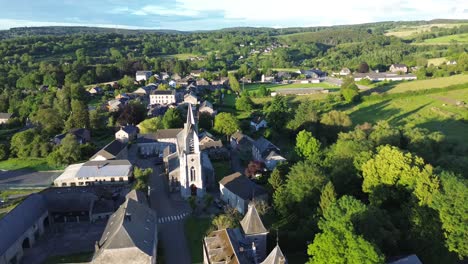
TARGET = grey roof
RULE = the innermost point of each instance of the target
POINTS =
(264, 146)
(275, 257)
(137, 196)
(399, 65)
(63, 200)
(251, 223)
(206, 104)
(98, 168)
(242, 186)
(5, 115)
(163, 92)
(18, 220)
(167, 133)
(211, 144)
(111, 150)
(411, 259)
(130, 129)
(238, 136)
(143, 72)
(133, 225)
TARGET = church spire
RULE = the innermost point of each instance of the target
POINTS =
(190, 119)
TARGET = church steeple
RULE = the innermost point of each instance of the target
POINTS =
(190, 132)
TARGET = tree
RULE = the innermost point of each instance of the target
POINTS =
(276, 179)
(142, 178)
(20, 143)
(334, 122)
(163, 87)
(384, 134)
(172, 119)
(244, 103)
(234, 83)
(308, 147)
(3, 152)
(69, 150)
(223, 221)
(328, 197)
(79, 117)
(133, 113)
(205, 120)
(95, 120)
(391, 167)
(452, 207)
(226, 124)
(127, 82)
(305, 116)
(49, 121)
(151, 125)
(278, 113)
(363, 67)
(349, 90)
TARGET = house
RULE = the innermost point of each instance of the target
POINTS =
(313, 73)
(191, 98)
(202, 82)
(258, 122)
(263, 150)
(238, 191)
(283, 75)
(246, 244)
(164, 76)
(383, 76)
(173, 84)
(245, 80)
(451, 62)
(130, 235)
(220, 82)
(206, 107)
(163, 97)
(82, 136)
(113, 151)
(176, 77)
(96, 90)
(345, 72)
(144, 91)
(411, 259)
(143, 75)
(115, 105)
(4, 117)
(267, 79)
(126, 134)
(208, 141)
(197, 73)
(96, 172)
(397, 68)
(240, 141)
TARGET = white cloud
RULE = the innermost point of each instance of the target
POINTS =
(165, 11)
(11, 23)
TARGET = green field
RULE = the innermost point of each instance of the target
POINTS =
(274, 87)
(410, 31)
(462, 38)
(195, 231)
(405, 86)
(436, 112)
(35, 164)
(182, 56)
(436, 61)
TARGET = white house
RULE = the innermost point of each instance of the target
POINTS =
(191, 98)
(345, 72)
(96, 173)
(143, 75)
(258, 122)
(126, 134)
(263, 150)
(237, 191)
(163, 97)
(206, 107)
(4, 117)
(113, 151)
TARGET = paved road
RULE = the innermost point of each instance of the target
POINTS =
(27, 178)
(171, 228)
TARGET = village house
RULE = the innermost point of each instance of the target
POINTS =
(163, 97)
(191, 98)
(223, 81)
(258, 123)
(202, 83)
(130, 235)
(345, 72)
(4, 117)
(283, 75)
(127, 133)
(96, 90)
(267, 79)
(176, 77)
(238, 191)
(398, 68)
(384, 76)
(206, 107)
(313, 73)
(96, 173)
(197, 73)
(164, 76)
(264, 151)
(82, 136)
(143, 75)
(116, 105)
(145, 90)
(246, 244)
(240, 141)
(115, 150)
(245, 80)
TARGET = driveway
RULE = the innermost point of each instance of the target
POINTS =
(27, 178)
(171, 213)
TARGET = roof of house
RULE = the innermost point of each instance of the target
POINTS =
(220, 249)
(137, 196)
(97, 168)
(163, 92)
(275, 257)
(132, 226)
(239, 136)
(241, 186)
(251, 223)
(143, 72)
(167, 133)
(18, 220)
(264, 145)
(257, 120)
(130, 129)
(211, 144)
(399, 65)
(5, 115)
(111, 150)
(411, 259)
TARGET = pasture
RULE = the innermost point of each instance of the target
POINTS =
(436, 61)
(274, 87)
(412, 31)
(405, 86)
(461, 38)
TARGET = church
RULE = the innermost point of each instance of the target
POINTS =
(189, 169)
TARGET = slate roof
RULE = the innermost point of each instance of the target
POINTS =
(399, 65)
(411, 259)
(206, 104)
(163, 92)
(143, 72)
(5, 115)
(130, 129)
(264, 146)
(242, 186)
(137, 196)
(132, 226)
(211, 144)
(251, 223)
(238, 136)
(18, 220)
(100, 168)
(275, 257)
(111, 150)
(220, 249)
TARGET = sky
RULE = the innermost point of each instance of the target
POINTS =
(187, 15)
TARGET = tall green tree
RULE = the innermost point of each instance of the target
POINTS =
(79, 117)
(172, 119)
(234, 83)
(226, 124)
(328, 197)
(308, 147)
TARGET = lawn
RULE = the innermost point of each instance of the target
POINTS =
(436, 112)
(412, 31)
(84, 257)
(182, 56)
(441, 82)
(222, 169)
(35, 164)
(274, 87)
(436, 61)
(463, 38)
(195, 230)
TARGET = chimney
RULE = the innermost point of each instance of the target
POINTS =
(128, 217)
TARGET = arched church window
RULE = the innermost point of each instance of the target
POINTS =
(192, 174)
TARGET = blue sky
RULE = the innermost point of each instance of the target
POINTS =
(215, 14)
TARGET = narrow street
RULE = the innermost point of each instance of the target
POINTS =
(171, 214)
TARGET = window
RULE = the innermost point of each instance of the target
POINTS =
(192, 174)
(81, 183)
(112, 179)
(120, 179)
(64, 184)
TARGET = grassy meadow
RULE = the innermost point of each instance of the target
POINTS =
(405, 86)
(411, 31)
(35, 164)
(462, 38)
(274, 87)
